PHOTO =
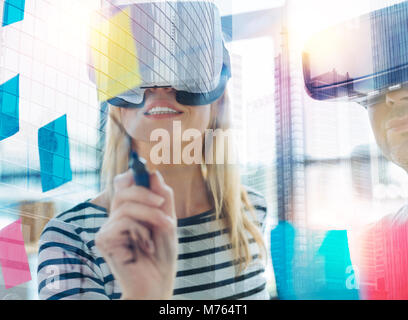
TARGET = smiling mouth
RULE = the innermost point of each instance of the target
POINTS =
(162, 111)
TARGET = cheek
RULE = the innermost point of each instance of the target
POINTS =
(199, 118)
(130, 120)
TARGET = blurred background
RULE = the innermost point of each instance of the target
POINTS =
(316, 162)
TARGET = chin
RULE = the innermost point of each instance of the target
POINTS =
(144, 132)
(399, 153)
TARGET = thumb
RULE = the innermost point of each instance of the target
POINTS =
(157, 185)
(123, 180)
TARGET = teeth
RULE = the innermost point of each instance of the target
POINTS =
(161, 110)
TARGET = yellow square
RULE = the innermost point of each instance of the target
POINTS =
(114, 56)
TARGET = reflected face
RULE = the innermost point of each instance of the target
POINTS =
(160, 111)
(389, 121)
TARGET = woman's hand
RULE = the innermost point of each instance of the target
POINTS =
(139, 240)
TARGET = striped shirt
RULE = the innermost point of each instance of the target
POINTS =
(71, 267)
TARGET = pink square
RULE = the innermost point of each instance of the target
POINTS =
(13, 256)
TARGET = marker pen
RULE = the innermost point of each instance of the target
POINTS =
(138, 166)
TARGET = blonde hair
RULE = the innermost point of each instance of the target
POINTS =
(225, 191)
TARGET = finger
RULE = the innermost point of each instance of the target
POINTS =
(147, 246)
(157, 185)
(137, 194)
(115, 231)
(123, 180)
(124, 233)
(142, 236)
(131, 237)
(131, 246)
(141, 213)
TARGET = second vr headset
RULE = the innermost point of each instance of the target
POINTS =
(138, 45)
(359, 60)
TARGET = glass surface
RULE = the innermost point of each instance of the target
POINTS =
(317, 163)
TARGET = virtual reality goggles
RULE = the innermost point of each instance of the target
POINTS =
(137, 45)
(359, 60)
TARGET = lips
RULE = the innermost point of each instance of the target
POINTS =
(162, 108)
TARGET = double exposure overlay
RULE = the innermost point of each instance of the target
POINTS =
(310, 96)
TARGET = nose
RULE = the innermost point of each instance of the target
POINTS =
(163, 92)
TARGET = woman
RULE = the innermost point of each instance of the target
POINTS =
(194, 234)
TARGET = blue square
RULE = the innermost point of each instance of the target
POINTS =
(9, 108)
(13, 11)
(53, 145)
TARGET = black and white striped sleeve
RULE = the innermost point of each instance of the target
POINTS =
(66, 267)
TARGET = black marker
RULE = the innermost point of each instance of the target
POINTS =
(138, 166)
(141, 177)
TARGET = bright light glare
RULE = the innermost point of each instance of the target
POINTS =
(228, 7)
(70, 20)
(308, 17)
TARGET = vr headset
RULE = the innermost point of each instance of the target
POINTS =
(137, 45)
(359, 60)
